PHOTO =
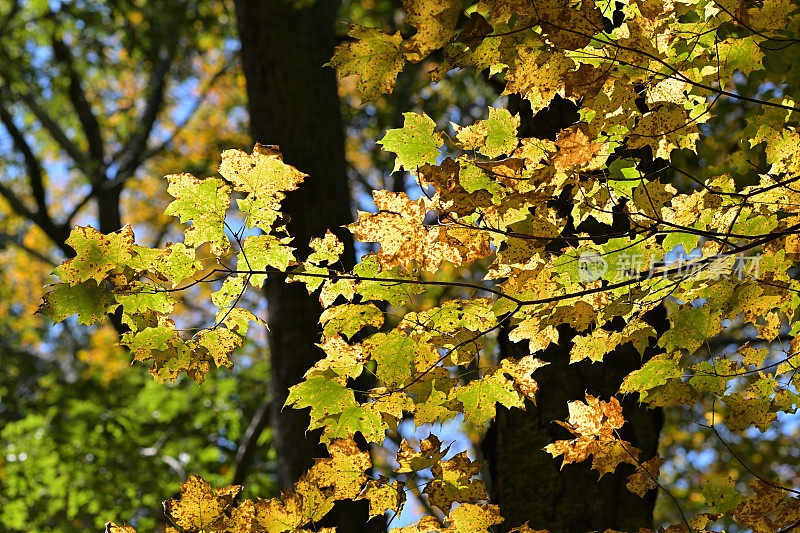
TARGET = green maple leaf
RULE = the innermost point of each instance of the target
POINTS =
(176, 262)
(374, 56)
(492, 137)
(623, 177)
(653, 373)
(600, 342)
(354, 419)
(394, 353)
(690, 327)
(350, 319)
(480, 396)
(204, 202)
(415, 144)
(432, 405)
(259, 252)
(230, 291)
(722, 495)
(394, 293)
(142, 343)
(96, 255)
(323, 395)
(220, 343)
(140, 297)
(87, 300)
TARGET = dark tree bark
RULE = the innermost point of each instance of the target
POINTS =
(293, 103)
(528, 484)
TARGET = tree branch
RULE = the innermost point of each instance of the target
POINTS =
(195, 106)
(16, 240)
(130, 157)
(91, 128)
(247, 447)
(32, 165)
(57, 233)
(55, 131)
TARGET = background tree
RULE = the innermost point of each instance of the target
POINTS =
(534, 219)
(98, 101)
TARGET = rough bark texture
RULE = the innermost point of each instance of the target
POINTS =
(293, 103)
(528, 484)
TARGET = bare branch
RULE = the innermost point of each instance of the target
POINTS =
(57, 233)
(131, 155)
(32, 165)
(91, 128)
(55, 131)
(247, 448)
(195, 106)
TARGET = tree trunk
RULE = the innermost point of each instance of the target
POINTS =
(528, 484)
(293, 103)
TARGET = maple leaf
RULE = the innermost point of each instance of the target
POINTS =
(492, 137)
(655, 372)
(289, 512)
(537, 75)
(200, 508)
(669, 127)
(481, 396)
(521, 371)
(452, 482)
(415, 144)
(87, 300)
(96, 255)
(352, 419)
(768, 509)
(112, 527)
(204, 202)
(383, 496)
(326, 249)
(411, 460)
(342, 358)
(472, 518)
(349, 319)
(259, 252)
(646, 477)
(220, 343)
(231, 290)
(601, 342)
(432, 402)
(593, 423)
(435, 22)
(577, 150)
(394, 353)
(405, 241)
(722, 495)
(388, 291)
(374, 56)
(265, 177)
(176, 262)
(324, 395)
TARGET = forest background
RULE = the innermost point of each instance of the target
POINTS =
(100, 100)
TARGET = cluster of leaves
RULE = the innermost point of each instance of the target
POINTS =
(646, 74)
